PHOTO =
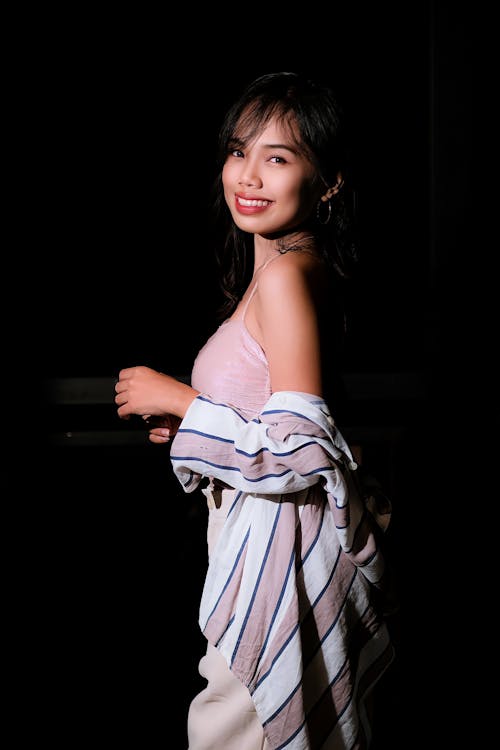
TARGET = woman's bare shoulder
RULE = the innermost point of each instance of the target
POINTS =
(292, 262)
(295, 268)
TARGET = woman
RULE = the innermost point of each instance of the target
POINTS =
(290, 610)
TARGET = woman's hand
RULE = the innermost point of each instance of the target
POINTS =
(147, 392)
(162, 429)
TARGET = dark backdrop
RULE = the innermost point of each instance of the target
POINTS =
(127, 159)
(123, 157)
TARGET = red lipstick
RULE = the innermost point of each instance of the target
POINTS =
(252, 209)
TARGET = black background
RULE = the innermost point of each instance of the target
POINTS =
(127, 149)
(123, 114)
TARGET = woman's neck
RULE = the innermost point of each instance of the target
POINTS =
(266, 248)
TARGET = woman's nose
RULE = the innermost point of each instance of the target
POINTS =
(249, 176)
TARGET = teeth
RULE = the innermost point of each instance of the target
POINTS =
(244, 202)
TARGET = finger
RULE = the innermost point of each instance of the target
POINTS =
(124, 412)
(122, 384)
(161, 432)
(121, 398)
(158, 439)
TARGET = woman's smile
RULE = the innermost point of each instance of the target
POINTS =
(251, 205)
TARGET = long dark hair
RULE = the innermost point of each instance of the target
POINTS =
(316, 122)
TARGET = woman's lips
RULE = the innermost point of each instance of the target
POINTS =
(250, 206)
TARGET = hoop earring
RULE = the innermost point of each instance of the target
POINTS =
(318, 211)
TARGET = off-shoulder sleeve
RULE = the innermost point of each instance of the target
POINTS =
(281, 450)
(291, 445)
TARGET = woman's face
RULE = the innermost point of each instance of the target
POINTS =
(269, 186)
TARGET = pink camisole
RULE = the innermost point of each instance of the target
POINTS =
(232, 368)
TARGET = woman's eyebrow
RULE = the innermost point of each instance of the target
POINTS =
(279, 145)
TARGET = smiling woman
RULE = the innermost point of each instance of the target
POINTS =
(293, 603)
(286, 175)
(123, 141)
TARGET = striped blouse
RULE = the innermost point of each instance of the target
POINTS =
(290, 597)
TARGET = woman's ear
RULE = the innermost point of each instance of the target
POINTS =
(334, 189)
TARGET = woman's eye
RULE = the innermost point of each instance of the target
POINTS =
(236, 152)
(278, 160)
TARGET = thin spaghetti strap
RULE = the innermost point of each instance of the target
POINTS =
(248, 301)
(257, 283)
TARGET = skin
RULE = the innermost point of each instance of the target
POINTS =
(283, 314)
